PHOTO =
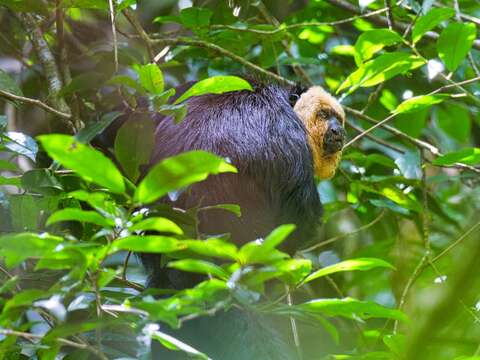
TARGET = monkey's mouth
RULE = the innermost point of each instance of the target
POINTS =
(333, 141)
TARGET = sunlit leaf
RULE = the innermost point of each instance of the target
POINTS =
(380, 69)
(179, 171)
(350, 308)
(419, 102)
(157, 224)
(469, 156)
(18, 247)
(370, 42)
(151, 78)
(427, 22)
(215, 85)
(455, 42)
(200, 267)
(71, 214)
(89, 163)
(362, 264)
(148, 244)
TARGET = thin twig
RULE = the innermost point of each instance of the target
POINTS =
(382, 21)
(354, 232)
(35, 102)
(456, 242)
(374, 138)
(114, 34)
(422, 264)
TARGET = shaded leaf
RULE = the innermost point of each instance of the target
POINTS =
(134, 144)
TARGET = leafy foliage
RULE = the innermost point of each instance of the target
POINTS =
(393, 278)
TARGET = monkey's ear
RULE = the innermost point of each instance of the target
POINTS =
(295, 93)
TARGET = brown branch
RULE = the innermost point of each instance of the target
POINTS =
(48, 63)
(35, 102)
(221, 51)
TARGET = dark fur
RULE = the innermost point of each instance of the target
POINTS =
(262, 136)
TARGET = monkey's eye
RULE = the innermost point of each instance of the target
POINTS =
(324, 114)
(293, 98)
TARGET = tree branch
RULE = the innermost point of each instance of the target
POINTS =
(49, 65)
(35, 102)
(383, 21)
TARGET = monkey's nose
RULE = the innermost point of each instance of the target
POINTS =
(334, 137)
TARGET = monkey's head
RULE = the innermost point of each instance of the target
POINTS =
(324, 119)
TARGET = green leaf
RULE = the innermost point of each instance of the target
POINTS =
(233, 208)
(371, 42)
(127, 81)
(72, 214)
(469, 156)
(89, 163)
(83, 83)
(454, 120)
(26, 6)
(410, 165)
(8, 165)
(18, 247)
(134, 144)
(8, 84)
(149, 244)
(362, 264)
(350, 308)
(22, 144)
(259, 251)
(94, 128)
(87, 4)
(212, 247)
(12, 180)
(174, 344)
(427, 22)
(200, 267)
(179, 171)
(215, 85)
(193, 17)
(41, 181)
(419, 102)
(159, 224)
(380, 69)
(455, 42)
(151, 78)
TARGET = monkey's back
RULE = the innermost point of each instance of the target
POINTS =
(263, 137)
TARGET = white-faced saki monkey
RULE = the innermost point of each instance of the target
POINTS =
(279, 138)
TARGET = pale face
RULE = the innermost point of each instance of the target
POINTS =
(324, 119)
